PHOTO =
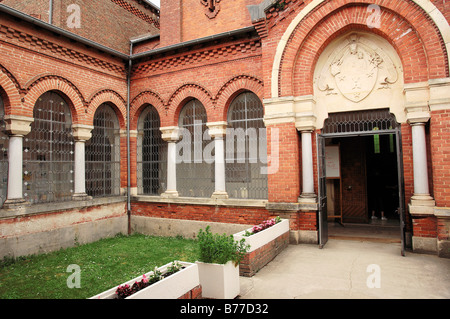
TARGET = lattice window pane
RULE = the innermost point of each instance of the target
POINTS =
(360, 122)
(246, 148)
(194, 174)
(4, 143)
(48, 155)
(151, 154)
(103, 155)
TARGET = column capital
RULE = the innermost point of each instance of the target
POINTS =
(18, 125)
(170, 133)
(305, 122)
(82, 132)
(217, 129)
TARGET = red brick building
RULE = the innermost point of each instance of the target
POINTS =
(118, 116)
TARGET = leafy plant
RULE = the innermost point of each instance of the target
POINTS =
(220, 249)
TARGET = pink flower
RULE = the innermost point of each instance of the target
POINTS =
(144, 279)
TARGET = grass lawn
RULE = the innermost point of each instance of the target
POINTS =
(103, 264)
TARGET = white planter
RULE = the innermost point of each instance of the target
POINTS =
(263, 237)
(171, 287)
(219, 281)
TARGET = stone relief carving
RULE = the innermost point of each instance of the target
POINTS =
(355, 69)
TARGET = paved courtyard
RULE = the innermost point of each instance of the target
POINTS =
(346, 269)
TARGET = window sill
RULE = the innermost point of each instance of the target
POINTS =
(35, 209)
(201, 201)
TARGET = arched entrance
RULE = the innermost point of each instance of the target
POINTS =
(358, 87)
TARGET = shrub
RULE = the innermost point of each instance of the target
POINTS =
(220, 249)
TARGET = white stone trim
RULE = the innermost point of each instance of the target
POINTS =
(202, 201)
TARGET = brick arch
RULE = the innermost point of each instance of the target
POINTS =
(139, 103)
(10, 92)
(114, 99)
(233, 88)
(56, 83)
(181, 96)
(404, 24)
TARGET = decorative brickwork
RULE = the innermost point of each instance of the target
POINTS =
(12, 35)
(138, 13)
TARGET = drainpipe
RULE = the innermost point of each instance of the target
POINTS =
(50, 12)
(130, 63)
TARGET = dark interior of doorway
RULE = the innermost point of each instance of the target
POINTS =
(369, 182)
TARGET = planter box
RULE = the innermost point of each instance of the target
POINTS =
(264, 247)
(219, 281)
(180, 285)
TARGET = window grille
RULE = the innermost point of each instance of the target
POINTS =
(103, 154)
(194, 171)
(360, 122)
(4, 142)
(246, 148)
(151, 154)
(48, 156)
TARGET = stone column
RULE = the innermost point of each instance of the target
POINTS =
(307, 166)
(217, 130)
(171, 135)
(81, 134)
(417, 96)
(17, 127)
(306, 124)
(421, 195)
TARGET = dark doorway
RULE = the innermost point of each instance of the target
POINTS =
(369, 200)
(368, 168)
(382, 178)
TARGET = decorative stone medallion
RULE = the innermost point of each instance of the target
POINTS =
(355, 69)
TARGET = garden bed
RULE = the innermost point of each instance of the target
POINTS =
(265, 245)
(183, 283)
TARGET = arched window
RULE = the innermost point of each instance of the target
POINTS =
(194, 172)
(103, 154)
(48, 156)
(151, 154)
(4, 142)
(246, 148)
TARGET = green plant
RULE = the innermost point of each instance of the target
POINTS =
(220, 249)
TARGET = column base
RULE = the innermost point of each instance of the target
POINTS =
(15, 203)
(169, 194)
(81, 197)
(423, 200)
(307, 198)
(308, 202)
(220, 195)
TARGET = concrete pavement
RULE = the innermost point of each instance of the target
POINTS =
(344, 268)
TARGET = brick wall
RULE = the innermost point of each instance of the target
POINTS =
(284, 183)
(440, 150)
(183, 20)
(220, 214)
(108, 22)
(257, 259)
